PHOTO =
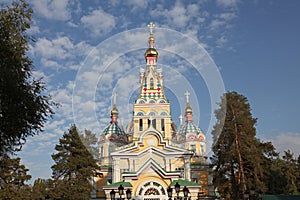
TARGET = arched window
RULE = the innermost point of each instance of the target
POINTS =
(162, 124)
(151, 101)
(151, 84)
(154, 123)
(140, 124)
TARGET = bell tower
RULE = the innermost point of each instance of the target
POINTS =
(152, 107)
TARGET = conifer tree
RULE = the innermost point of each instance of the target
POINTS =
(237, 160)
(13, 176)
(74, 167)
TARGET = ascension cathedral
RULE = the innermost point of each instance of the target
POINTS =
(152, 155)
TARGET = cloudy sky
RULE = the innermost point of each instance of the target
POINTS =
(86, 50)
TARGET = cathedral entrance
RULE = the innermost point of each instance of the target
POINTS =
(152, 190)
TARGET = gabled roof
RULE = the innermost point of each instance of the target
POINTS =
(154, 167)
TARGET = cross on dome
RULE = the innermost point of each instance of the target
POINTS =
(180, 119)
(151, 26)
(115, 98)
(187, 96)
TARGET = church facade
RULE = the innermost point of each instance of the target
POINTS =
(152, 155)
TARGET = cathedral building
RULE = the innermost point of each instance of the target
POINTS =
(152, 155)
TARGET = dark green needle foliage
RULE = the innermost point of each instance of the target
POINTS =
(13, 177)
(74, 167)
(238, 157)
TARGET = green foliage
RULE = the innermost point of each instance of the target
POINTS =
(241, 162)
(284, 175)
(42, 189)
(89, 140)
(13, 176)
(74, 167)
(238, 159)
(23, 106)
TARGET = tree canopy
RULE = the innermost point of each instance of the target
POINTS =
(13, 176)
(74, 167)
(240, 161)
(24, 106)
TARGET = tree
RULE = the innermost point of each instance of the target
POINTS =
(24, 107)
(89, 140)
(74, 167)
(13, 176)
(42, 189)
(238, 158)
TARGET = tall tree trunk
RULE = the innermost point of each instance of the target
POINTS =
(237, 144)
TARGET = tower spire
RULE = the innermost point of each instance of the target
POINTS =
(188, 109)
(114, 112)
(151, 53)
(151, 26)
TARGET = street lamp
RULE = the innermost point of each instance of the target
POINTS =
(121, 191)
(112, 194)
(177, 189)
(128, 194)
(185, 192)
(170, 191)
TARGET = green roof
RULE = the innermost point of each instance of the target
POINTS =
(117, 184)
(184, 183)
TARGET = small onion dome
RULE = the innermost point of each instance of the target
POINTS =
(114, 111)
(151, 52)
(188, 109)
(113, 130)
(190, 128)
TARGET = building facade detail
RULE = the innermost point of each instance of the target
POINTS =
(151, 154)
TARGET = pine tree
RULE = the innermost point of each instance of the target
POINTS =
(74, 166)
(23, 106)
(290, 172)
(42, 189)
(13, 176)
(89, 140)
(238, 157)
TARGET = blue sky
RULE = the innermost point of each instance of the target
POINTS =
(253, 44)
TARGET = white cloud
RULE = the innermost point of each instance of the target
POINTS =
(57, 48)
(287, 141)
(98, 22)
(227, 16)
(53, 9)
(72, 24)
(137, 3)
(178, 16)
(227, 3)
(51, 52)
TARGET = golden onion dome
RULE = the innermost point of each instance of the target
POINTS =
(114, 111)
(151, 52)
(188, 108)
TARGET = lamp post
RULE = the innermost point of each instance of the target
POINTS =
(112, 194)
(185, 192)
(121, 191)
(128, 194)
(170, 191)
(177, 189)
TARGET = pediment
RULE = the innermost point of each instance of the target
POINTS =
(151, 168)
